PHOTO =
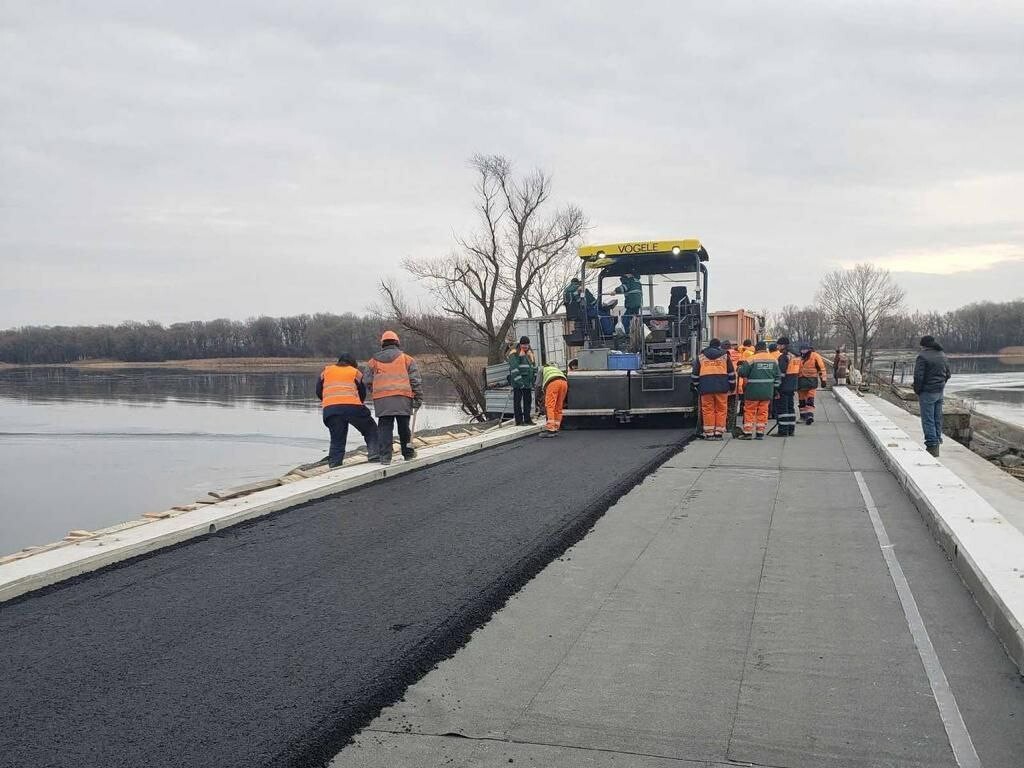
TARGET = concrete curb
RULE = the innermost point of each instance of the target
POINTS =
(46, 568)
(986, 550)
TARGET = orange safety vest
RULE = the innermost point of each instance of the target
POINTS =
(736, 357)
(812, 367)
(391, 379)
(340, 385)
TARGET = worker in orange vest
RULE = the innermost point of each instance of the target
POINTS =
(395, 383)
(789, 366)
(812, 370)
(734, 407)
(746, 349)
(342, 396)
(713, 378)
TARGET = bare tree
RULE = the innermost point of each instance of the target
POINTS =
(858, 301)
(491, 275)
(546, 294)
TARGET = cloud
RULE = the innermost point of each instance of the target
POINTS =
(950, 261)
(249, 156)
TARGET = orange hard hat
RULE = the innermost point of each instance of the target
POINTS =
(388, 336)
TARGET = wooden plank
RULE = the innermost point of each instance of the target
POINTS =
(244, 490)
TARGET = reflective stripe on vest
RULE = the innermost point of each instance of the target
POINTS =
(391, 379)
(550, 373)
(340, 386)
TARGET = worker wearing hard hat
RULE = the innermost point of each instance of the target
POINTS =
(395, 383)
(812, 370)
(342, 393)
(762, 377)
(713, 378)
(556, 389)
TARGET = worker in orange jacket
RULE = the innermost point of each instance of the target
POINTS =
(713, 378)
(812, 371)
(734, 407)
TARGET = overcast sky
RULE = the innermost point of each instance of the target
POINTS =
(192, 160)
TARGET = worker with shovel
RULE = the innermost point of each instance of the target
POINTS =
(396, 386)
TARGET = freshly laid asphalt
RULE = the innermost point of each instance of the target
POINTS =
(271, 643)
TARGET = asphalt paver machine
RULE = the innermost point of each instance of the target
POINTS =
(636, 364)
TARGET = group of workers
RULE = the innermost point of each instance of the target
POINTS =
(759, 381)
(522, 376)
(392, 381)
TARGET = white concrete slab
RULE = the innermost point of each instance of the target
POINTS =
(1002, 491)
(52, 566)
(986, 549)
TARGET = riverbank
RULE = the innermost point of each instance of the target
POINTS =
(996, 441)
(226, 364)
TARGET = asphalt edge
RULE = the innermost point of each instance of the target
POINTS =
(22, 577)
(998, 593)
(458, 631)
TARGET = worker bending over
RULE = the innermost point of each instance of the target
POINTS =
(522, 375)
(713, 378)
(761, 377)
(342, 396)
(397, 388)
(556, 389)
(812, 370)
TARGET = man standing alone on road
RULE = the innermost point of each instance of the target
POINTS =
(522, 375)
(931, 372)
(342, 395)
(397, 388)
(713, 378)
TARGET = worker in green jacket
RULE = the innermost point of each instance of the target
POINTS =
(575, 295)
(761, 379)
(632, 291)
(522, 375)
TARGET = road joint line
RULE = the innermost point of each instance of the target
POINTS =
(952, 720)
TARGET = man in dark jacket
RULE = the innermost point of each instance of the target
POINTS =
(713, 378)
(931, 372)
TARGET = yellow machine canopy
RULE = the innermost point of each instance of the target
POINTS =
(653, 253)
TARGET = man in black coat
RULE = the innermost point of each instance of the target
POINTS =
(931, 372)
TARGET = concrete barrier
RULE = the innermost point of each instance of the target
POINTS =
(52, 566)
(986, 550)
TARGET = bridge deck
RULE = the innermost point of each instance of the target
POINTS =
(269, 643)
(737, 607)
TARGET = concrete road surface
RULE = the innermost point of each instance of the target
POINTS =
(270, 643)
(740, 607)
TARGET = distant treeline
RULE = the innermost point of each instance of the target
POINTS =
(982, 327)
(319, 335)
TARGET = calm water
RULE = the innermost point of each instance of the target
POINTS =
(993, 385)
(87, 449)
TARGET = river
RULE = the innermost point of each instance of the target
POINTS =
(91, 448)
(991, 384)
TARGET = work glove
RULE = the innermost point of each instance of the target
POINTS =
(824, 383)
(417, 403)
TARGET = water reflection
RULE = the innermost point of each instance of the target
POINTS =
(295, 389)
(87, 449)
